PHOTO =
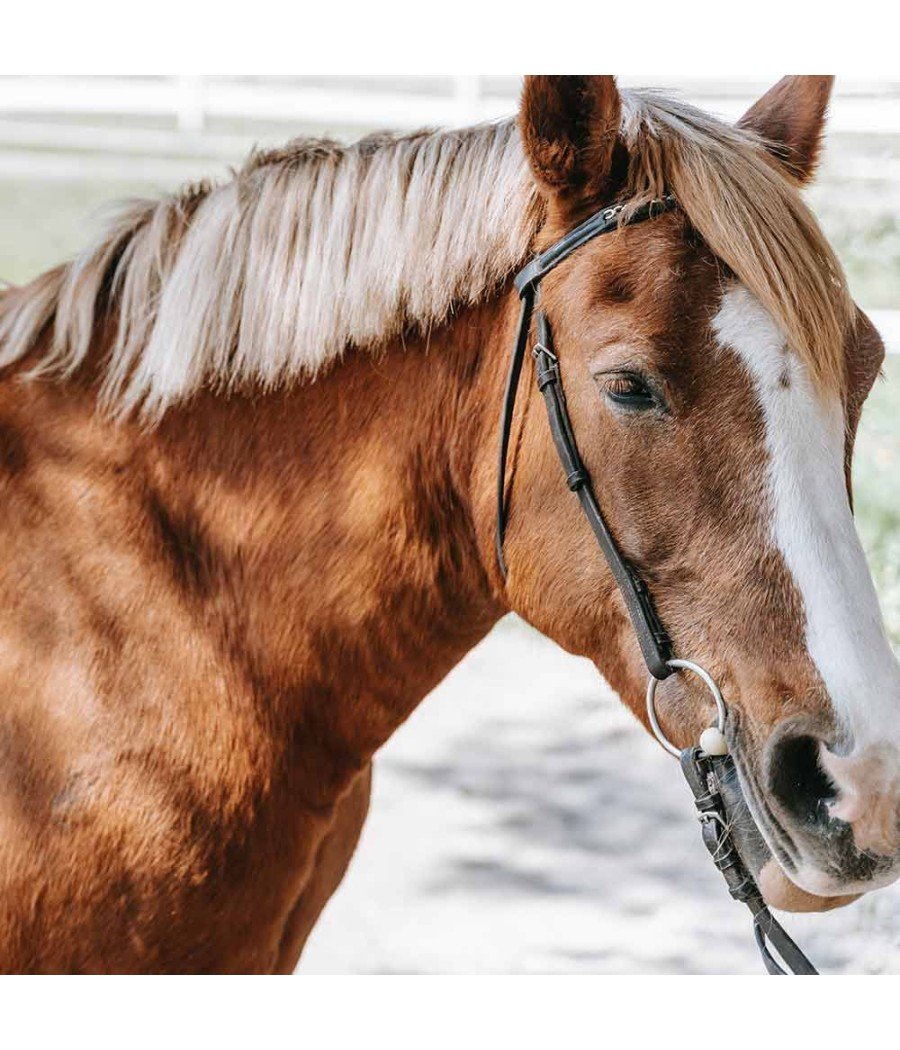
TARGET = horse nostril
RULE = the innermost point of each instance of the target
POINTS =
(797, 780)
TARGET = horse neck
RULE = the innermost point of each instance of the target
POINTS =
(337, 531)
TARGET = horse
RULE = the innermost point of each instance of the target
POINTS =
(248, 480)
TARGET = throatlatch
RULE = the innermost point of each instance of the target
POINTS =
(704, 767)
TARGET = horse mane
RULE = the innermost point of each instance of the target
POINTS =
(316, 247)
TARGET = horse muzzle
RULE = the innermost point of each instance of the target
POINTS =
(778, 889)
(785, 820)
(831, 813)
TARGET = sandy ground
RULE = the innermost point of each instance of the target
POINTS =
(522, 822)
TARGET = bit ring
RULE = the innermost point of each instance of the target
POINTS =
(709, 682)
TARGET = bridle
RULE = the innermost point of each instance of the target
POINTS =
(707, 765)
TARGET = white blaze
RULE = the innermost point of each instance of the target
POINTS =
(812, 525)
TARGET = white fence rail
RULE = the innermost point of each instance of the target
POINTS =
(156, 128)
(33, 108)
(192, 101)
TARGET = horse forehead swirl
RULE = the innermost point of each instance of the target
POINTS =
(315, 248)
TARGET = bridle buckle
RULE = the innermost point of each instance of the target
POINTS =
(539, 348)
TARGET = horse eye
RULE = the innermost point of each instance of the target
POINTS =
(630, 391)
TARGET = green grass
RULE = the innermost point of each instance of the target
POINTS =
(875, 470)
(43, 223)
(870, 252)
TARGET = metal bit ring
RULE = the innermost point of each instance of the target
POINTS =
(702, 673)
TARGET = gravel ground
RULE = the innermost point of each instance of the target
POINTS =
(522, 822)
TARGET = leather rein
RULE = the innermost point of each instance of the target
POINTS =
(708, 765)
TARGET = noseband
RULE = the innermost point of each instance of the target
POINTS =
(706, 766)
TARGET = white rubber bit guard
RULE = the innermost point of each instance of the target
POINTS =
(713, 741)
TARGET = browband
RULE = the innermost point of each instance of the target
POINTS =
(600, 222)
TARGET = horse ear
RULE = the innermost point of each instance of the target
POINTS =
(570, 128)
(790, 117)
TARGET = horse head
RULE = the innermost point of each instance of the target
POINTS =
(715, 367)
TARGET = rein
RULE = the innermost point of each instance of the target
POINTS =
(706, 766)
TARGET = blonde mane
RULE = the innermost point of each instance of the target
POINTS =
(317, 247)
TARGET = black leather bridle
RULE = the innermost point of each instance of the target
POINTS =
(653, 640)
(704, 772)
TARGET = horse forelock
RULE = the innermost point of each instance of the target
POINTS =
(316, 248)
(752, 216)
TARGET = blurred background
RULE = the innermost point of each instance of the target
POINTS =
(521, 822)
